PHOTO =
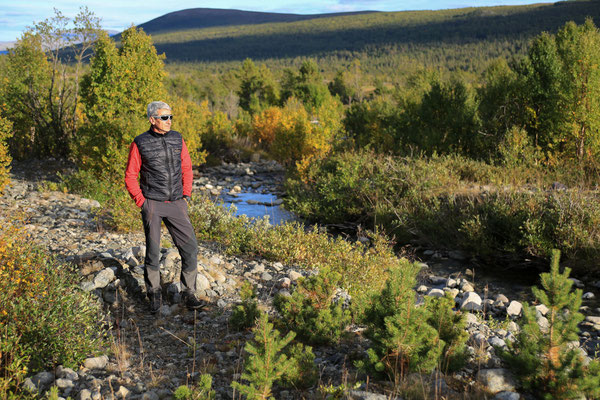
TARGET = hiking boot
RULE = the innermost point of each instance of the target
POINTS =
(155, 301)
(191, 302)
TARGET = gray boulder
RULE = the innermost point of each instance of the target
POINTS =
(497, 380)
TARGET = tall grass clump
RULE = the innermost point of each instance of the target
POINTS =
(45, 319)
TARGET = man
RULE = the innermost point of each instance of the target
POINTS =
(161, 159)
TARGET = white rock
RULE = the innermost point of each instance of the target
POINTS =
(277, 266)
(497, 380)
(84, 394)
(64, 372)
(266, 276)
(436, 293)
(588, 296)
(258, 269)
(63, 383)
(202, 283)
(514, 308)
(542, 309)
(42, 379)
(103, 278)
(422, 289)
(284, 282)
(95, 362)
(502, 298)
(451, 283)
(471, 319)
(122, 393)
(593, 319)
(294, 276)
(496, 342)
(87, 286)
(216, 260)
(454, 291)
(467, 287)
(471, 302)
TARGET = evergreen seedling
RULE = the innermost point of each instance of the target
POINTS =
(402, 341)
(451, 328)
(202, 390)
(311, 311)
(542, 356)
(266, 363)
(303, 372)
(244, 315)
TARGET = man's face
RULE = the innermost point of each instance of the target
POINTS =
(158, 124)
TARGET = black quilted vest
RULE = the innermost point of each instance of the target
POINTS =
(160, 175)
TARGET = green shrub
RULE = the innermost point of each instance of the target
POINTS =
(311, 311)
(362, 265)
(267, 362)
(544, 359)
(47, 320)
(453, 201)
(13, 362)
(6, 131)
(244, 315)
(451, 329)
(401, 339)
(202, 390)
(303, 372)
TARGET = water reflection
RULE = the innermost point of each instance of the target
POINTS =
(257, 205)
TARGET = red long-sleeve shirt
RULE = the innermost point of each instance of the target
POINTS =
(134, 165)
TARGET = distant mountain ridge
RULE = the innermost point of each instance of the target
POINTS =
(198, 18)
(384, 42)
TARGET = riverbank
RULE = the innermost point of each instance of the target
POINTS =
(153, 355)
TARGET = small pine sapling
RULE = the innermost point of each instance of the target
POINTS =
(267, 362)
(543, 357)
(303, 373)
(451, 328)
(201, 391)
(401, 338)
(311, 311)
(245, 314)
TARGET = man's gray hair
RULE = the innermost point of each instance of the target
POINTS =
(155, 106)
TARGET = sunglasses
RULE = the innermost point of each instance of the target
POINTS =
(163, 117)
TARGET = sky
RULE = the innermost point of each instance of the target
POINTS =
(118, 15)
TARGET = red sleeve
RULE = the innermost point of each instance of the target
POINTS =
(186, 170)
(134, 164)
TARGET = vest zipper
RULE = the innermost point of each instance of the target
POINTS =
(170, 187)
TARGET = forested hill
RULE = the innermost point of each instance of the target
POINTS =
(198, 18)
(460, 38)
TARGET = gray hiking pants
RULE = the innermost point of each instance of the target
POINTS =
(177, 221)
